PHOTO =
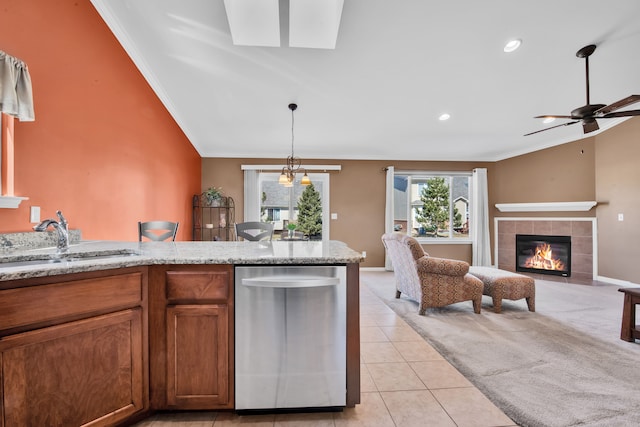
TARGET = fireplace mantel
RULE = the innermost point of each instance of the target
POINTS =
(546, 207)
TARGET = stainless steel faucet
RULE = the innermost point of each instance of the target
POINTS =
(61, 227)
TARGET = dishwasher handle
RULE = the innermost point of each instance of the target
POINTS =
(290, 281)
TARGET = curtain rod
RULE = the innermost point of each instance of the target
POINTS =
(279, 167)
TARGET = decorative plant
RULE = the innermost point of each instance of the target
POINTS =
(291, 226)
(213, 195)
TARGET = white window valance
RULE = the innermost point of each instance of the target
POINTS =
(16, 97)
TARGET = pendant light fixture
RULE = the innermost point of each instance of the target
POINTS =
(294, 164)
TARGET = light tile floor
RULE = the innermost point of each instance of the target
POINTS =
(404, 382)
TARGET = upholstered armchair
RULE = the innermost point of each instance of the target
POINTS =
(433, 282)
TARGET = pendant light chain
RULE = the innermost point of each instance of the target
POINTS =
(293, 163)
(292, 126)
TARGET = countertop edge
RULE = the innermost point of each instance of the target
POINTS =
(136, 254)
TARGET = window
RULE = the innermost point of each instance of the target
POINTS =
(272, 214)
(279, 204)
(432, 206)
(16, 101)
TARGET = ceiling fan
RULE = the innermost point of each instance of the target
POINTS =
(588, 113)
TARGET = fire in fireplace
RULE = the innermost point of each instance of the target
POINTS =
(543, 254)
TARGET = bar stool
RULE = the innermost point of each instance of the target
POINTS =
(629, 331)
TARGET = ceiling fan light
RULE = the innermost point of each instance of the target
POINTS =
(512, 45)
(444, 117)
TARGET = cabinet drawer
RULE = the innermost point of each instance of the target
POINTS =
(49, 302)
(208, 285)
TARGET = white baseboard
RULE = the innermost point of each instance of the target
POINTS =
(372, 269)
(618, 282)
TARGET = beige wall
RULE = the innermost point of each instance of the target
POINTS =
(357, 196)
(565, 173)
(602, 168)
(617, 191)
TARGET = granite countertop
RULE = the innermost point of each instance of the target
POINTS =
(82, 256)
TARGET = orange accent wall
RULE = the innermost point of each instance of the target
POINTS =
(7, 165)
(103, 148)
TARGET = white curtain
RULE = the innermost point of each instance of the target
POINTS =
(388, 212)
(251, 196)
(481, 253)
(16, 98)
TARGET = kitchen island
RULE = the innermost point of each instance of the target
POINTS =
(119, 330)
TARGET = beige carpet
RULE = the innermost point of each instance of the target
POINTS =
(563, 365)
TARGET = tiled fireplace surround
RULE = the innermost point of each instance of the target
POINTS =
(581, 231)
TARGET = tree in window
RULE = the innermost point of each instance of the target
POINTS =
(264, 215)
(434, 213)
(457, 217)
(310, 212)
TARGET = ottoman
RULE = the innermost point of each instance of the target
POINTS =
(500, 284)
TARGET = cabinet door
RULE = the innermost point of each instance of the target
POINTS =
(83, 373)
(198, 373)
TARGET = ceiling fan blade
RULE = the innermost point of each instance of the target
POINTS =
(590, 126)
(552, 127)
(632, 99)
(551, 116)
(629, 113)
(588, 113)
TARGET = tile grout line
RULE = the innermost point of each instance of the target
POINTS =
(413, 370)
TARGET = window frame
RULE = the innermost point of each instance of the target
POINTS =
(412, 176)
(323, 177)
(7, 164)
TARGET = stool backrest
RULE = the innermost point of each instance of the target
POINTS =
(157, 230)
(254, 230)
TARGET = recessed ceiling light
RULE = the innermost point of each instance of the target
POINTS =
(512, 45)
(444, 116)
(548, 120)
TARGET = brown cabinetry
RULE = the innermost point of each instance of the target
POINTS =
(191, 325)
(74, 352)
(107, 348)
(197, 362)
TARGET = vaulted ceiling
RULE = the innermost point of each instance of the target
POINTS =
(397, 66)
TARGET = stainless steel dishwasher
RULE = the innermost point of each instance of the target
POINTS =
(290, 337)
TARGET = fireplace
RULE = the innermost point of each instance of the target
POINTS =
(543, 254)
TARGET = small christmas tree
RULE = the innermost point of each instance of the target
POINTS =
(310, 212)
